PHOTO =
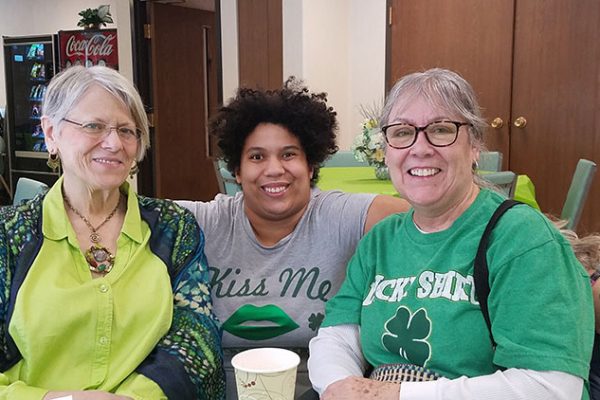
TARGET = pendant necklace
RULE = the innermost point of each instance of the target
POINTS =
(99, 259)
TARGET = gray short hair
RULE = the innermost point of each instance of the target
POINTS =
(443, 89)
(69, 86)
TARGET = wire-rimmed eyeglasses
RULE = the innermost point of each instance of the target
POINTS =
(101, 130)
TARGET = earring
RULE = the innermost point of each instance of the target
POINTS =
(53, 161)
(475, 165)
(134, 170)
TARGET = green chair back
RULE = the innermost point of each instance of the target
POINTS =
(504, 181)
(27, 189)
(578, 192)
(490, 161)
(344, 159)
(226, 181)
(230, 184)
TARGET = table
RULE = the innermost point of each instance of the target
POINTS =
(362, 180)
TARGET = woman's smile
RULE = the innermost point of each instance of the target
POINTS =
(275, 189)
(424, 172)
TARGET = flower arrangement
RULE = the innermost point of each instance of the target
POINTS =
(92, 18)
(368, 146)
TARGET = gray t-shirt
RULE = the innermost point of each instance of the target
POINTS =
(275, 296)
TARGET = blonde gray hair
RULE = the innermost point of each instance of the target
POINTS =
(448, 91)
(586, 248)
(443, 89)
(68, 87)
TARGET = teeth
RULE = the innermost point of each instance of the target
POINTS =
(424, 171)
(105, 161)
(278, 189)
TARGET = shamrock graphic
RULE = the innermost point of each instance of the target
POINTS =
(315, 320)
(406, 335)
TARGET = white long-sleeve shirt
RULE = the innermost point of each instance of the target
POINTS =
(335, 353)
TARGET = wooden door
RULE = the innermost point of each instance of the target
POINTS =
(471, 37)
(556, 88)
(260, 43)
(184, 94)
(525, 58)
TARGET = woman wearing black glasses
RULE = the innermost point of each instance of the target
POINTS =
(408, 306)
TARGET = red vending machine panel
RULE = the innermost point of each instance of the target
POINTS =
(88, 47)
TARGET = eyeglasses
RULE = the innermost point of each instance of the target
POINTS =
(437, 133)
(101, 130)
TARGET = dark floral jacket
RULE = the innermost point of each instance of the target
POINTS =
(187, 363)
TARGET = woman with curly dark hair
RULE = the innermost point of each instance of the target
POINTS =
(278, 250)
(307, 116)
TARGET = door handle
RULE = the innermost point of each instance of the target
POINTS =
(497, 123)
(520, 122)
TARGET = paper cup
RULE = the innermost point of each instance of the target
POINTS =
(265, 373)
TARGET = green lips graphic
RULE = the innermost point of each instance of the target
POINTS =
(283, 323)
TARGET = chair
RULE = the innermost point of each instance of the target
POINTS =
(226, 181)
(344, 159)
(578, 192)
(27, 189)
(490, 161)
(505, 182)
(2, 164)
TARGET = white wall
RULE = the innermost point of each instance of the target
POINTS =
(342, 53)
(229, 48)
(366, 59)
(40, 17)
(326, 62)
(293, 40)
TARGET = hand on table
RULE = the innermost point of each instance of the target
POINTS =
(355, 388)
(86, 395)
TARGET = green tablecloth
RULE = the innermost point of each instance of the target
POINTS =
(362, 180)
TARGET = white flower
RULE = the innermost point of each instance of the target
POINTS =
(368, 145)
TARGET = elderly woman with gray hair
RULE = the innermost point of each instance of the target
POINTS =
(408, 306)
(103, 294)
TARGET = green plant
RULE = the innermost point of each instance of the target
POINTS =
(95, 17)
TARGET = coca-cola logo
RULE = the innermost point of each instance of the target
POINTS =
(97, 45)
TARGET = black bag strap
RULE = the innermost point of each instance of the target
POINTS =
(481, 273)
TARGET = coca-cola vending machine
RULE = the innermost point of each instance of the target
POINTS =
(30, 62)
(88, 47)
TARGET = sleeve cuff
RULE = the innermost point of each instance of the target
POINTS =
(169, 374)
(23, 392)
(418, 390)
(140, 387)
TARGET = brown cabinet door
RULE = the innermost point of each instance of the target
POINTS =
(260, 43)
(471, 37)
(525, 58)
(556, 88)
(183, 89)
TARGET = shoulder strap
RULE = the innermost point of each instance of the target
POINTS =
(481, 273)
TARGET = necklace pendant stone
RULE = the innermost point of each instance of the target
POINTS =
(99, 259)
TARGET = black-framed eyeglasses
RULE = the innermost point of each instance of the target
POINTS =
(101, 130)
(438, 133)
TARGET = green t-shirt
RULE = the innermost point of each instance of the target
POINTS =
(413, 296)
